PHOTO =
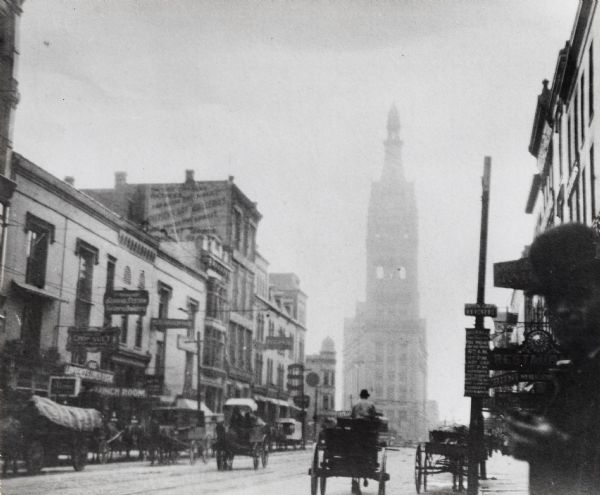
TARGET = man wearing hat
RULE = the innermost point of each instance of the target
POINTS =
(364, 408)
(562, 445)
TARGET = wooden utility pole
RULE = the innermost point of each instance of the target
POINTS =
(477, 344)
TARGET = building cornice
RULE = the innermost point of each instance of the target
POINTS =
(273, 307)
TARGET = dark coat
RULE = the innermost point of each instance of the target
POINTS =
(573, 468)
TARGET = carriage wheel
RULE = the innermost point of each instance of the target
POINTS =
(255, 456)
(382, 474)
(79, 457)
(192, 452)
(323, 484)
(228, 461)
(219, 456)
(428, 467)
(313, 473)
(418, 469)
(35, 457)
(265, 456)
(103, 451)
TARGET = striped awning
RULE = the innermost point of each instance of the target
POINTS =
(76, 418)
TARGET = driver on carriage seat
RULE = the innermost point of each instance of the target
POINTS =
(364, 408)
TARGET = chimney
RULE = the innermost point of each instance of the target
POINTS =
(189, 176)
(231, 178)
(69, 179)
(120, 179)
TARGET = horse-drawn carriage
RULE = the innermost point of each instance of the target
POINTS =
(351, 449)
(446, 452)
(287, 432)
(243, 434)
(174, 430)
(44, 431)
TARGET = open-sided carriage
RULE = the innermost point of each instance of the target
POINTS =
(243, 434)
(50, 430)
(446, 452)
(175, 430)
(288, 432)
(350, 449)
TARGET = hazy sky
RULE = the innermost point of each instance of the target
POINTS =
(292, 98)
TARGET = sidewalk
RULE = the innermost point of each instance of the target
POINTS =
(506, 475)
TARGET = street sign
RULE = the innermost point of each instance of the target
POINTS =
(65, 386)
(302, 401)
(93, 339)
(509, 359)
(476, 362)
(169, 323)
(312, 379)
(481, 310)
(154, 384)
(279, 343)
(516, 274)
(93, 375)
(126, 302)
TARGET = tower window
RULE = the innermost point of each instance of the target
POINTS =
(379, 271)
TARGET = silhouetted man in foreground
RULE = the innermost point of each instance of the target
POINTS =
(563, 445)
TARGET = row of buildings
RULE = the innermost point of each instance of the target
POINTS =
(140, 292)
(565, 188)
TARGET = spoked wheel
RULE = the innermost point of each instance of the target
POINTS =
(255, 456)
(314, 477)
(382, 474)
(220, 455)
(228, 461)
(428, 466)
(103, 452)
(192, 452)
(35, 457)
(418, 468)
(79, 457)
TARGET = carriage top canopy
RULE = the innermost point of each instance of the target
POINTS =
(76, 418)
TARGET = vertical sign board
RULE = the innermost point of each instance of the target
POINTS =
(477, 363)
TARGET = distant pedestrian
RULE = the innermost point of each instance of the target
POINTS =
(562, 446)
(364, 408)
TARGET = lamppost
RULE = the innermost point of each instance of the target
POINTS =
(198, 341)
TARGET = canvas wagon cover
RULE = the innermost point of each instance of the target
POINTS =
(76, 418)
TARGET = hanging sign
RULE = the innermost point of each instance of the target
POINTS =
(126, 302)
(476, 362)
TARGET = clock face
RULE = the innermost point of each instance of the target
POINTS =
(538, 341)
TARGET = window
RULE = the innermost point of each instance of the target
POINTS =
(582, 86)
(164, 296)
(142, 280)
(39, 235)
(127, 276)
(269, 372)
(591, 83)
(111, 264)
(251, 241)
(258, 369)
(569, 144)
(576, 125)
(593, 188)
(237, 229)
(189, 372)
(124, 328)
(584, 195)
(192, 311)
(325, 402)
(159, 358)
(88, 257)
(139, 331)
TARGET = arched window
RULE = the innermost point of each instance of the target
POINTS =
(127, 276)
(142, 280)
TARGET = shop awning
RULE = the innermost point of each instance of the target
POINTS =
(36, 291)
(241, 402)
(261, 398)
(76, 418)
(193, 404)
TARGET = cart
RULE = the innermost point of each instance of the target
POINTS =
(446, 452)
(175, 430)
(50, 430)
(288, 432)
(351, 449)
(241, 439)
